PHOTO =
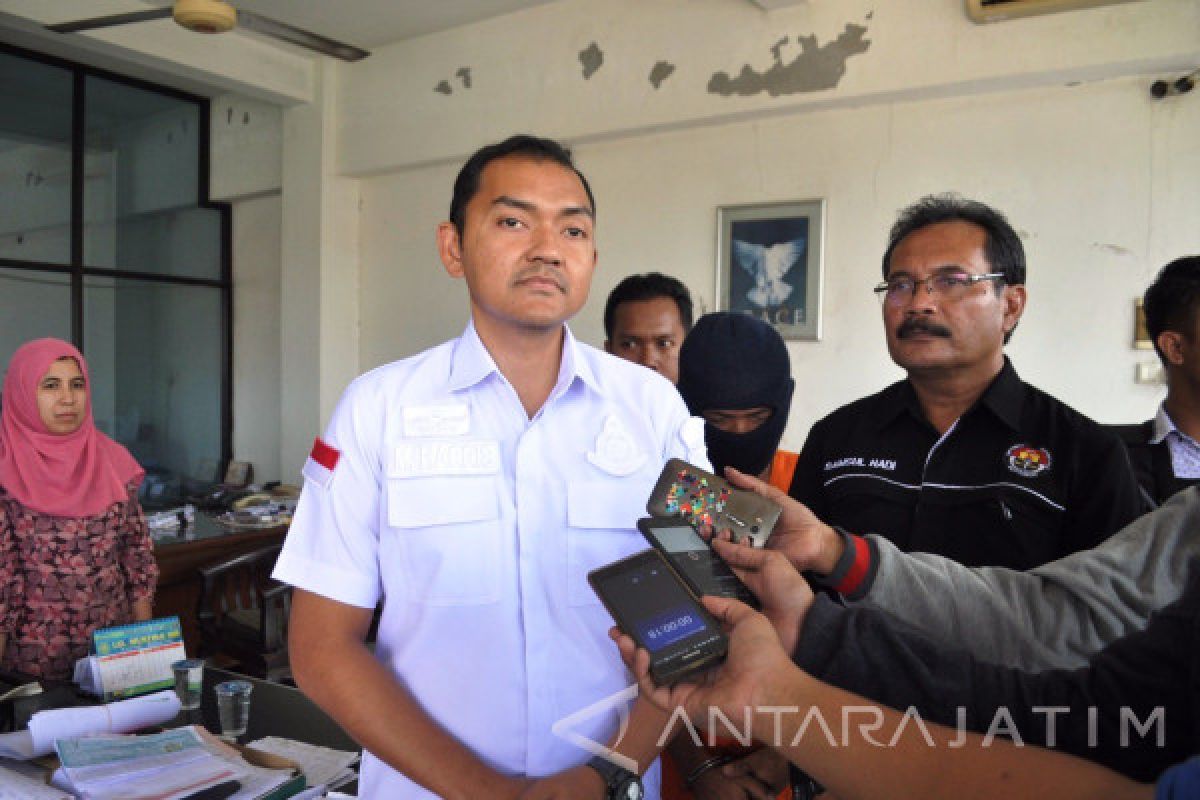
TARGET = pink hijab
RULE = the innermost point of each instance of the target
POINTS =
(79, 474)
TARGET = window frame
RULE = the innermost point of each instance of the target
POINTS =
(77, 270)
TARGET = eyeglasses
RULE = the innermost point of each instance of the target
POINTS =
(947, 285)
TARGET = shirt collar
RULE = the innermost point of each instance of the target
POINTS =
(574, 365)
(471, 363)
(1163, 425)
(1004, 397)
(903, 401)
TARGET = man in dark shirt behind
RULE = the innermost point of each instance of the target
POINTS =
(1165, 450)
(963, 458)
(645, 321)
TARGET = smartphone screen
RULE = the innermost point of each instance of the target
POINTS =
(695, 560)
(658, 612)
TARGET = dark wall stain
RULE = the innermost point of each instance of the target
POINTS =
(660, 72)
(816, 68)
(463, 74)
(591, 58)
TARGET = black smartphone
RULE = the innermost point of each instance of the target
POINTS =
(694, 559)
(685, 490)
(656, 609)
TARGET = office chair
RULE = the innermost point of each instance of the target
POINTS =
(242, 615)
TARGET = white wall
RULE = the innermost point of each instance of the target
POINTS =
(246, 147)
(1097, 176)
(256, 342)
(319, 317)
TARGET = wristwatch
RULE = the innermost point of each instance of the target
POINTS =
(619, 783)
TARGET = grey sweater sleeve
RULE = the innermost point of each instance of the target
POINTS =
(1055, 615)
(1146, 676)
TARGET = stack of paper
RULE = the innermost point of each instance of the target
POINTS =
(322, 766)
(164, 766)
(45, 727)
(22, 781)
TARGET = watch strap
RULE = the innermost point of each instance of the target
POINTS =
(612, 774)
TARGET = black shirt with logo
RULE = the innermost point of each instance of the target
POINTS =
(1019, 480)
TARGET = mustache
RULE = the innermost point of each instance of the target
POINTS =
(542, 272)
(918, 325)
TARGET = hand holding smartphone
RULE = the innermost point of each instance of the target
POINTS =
(656, 609)
(694, 560)
(701, 498)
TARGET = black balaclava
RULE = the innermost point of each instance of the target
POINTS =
(729, 362)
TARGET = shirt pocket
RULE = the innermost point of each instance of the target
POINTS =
(1030, 525)
(994, 525)
(448, 536)
(601, 528)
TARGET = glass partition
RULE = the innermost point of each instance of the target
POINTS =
(123, 255)
(34, 304)
(35, 160)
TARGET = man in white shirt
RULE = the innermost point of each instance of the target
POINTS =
(470, 489)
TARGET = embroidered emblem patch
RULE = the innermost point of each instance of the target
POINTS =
(1026, 461)
(616, 452)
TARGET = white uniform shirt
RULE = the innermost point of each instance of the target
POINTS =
(477, 526)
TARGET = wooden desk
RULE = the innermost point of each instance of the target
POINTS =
(275, 710)
(180, 557)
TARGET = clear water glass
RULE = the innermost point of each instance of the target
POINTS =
(233, 707)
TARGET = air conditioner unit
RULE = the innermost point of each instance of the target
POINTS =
(997, 10)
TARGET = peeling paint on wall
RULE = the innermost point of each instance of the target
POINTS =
(591, 58)
(462, 73)
(814, 69)
(1115, 249)
(660, 72)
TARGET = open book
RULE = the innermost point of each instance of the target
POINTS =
(164, 766)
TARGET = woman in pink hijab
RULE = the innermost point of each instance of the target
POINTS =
(75, 554)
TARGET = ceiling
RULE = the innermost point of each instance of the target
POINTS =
(371, 23)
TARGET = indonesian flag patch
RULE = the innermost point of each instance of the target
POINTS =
(321, 463)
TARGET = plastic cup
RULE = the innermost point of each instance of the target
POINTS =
(233, 707)
(189, 678)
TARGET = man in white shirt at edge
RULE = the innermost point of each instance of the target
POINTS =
(471, 488)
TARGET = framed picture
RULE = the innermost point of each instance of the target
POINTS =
(1141, 334)
(769, 260)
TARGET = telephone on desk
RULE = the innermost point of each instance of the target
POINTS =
(235, 498)
(222, 498)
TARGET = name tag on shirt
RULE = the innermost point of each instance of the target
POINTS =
(431, 457)
(427, 421)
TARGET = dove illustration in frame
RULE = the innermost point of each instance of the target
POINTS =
(769, 260)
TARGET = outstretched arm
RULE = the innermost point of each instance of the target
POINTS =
(851, 758)
(1055, 615)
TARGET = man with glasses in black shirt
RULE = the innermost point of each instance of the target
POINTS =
(963, 458)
